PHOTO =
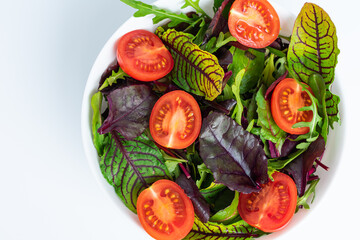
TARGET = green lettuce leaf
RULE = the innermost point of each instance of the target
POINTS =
(252, 61)
(313, 49)
(132, 166)
(98, 140)
(160, 14)
(269, 130)
(195, 70)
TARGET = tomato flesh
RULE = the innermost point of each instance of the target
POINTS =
(175, 120)
(142, 55)
(272, 208)
(286, 99)
(254, 23)
(165, 211)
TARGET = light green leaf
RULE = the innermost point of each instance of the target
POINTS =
(98, 140)
(195, 70)
(195, 4)
(229, 213)
(120, 74)
(313, 49)
(303, 201)
(269, 130)
(236, 91)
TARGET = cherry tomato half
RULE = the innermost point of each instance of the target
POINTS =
(142, 55)
(272, 208)
(254, 23)
(175, 120)
(165, 211)
(286, 99)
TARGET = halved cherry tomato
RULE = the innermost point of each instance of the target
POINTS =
(175, 120)
(272, 208)
(165, 211)
(286, 99)
(254, 23)
(142, 55)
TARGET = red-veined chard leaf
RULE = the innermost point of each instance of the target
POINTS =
(129, 110)
(195, 70)
(235, 156)
(313, 49)
(211, 230)
(132, 166)
(269, 130)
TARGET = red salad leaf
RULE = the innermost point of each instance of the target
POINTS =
(129, 111)
(201, 207)
(236, 157)
(299, 168)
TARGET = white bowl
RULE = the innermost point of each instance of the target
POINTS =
(107, 55)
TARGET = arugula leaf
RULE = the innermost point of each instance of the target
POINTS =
(129, 110)
(217, 42)
(303, 201)
(120, 74)
(235, 156)
(132, 166)
(210, 230)
(195, 4)
(313, 49)
(160, 14)
(195, 70)
(269, 130)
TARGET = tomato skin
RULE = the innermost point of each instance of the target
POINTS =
(142, 55)
(254, 23)
(273, 207)
(286, 99)
(165, 211)
(175, 120)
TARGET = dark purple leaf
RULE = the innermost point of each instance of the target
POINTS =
(236, 157)
(218, 23)
(289, 145)
(129, 111)
(301, 167)
(201, 207)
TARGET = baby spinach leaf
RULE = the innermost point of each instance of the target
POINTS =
(132, 166)
(129, 110)
(160, 14)
(229, 213)
(239, 230)
(235, 156)
(269, 130)
(252, 61)
(195, 70)
(313, 49)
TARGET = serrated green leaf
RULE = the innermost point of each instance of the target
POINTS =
(194, 4)
(120, 74)
(132, 166)
(195, 70)
(207, 231)
(313, 49)
(269, 130)
(160, 14)
(302, 201)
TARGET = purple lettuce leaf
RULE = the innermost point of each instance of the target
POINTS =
(301, 167)
(236, 157)
(201, 207)
(129, 111)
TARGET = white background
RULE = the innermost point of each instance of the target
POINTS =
(47, 191)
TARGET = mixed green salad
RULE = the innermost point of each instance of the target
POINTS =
(215, 127)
